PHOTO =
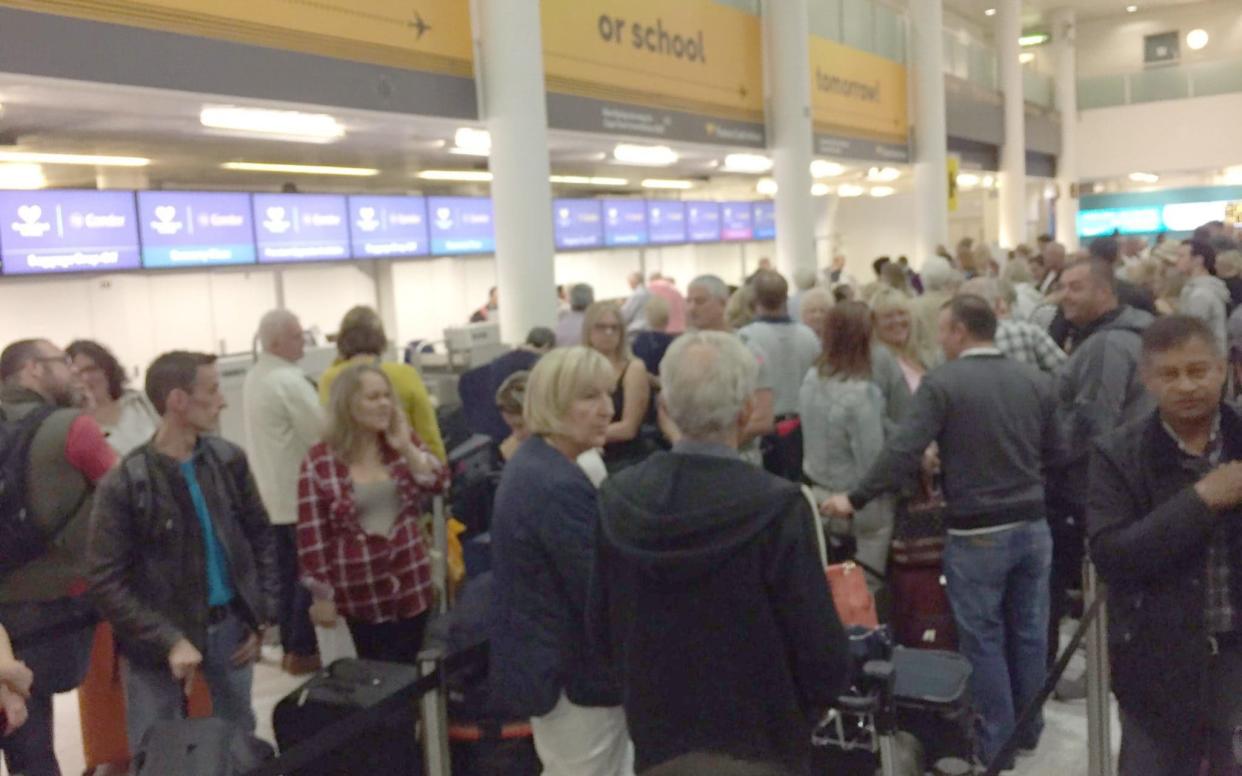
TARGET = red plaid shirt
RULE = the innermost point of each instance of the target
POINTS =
(374, 578)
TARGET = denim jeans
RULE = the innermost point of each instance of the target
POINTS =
(58, 665)
(297, 634)
(152, 694)
(998, 588)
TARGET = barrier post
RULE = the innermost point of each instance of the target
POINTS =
(439, 554)
(434, 705)
(1099, 717)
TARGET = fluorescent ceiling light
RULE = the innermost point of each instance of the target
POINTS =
(90, 160)
(22, 176)
(750, 164)
(661, 183)
(458, 176)
(820, 189)
(990, 12)
(1131, 8)
(883, 174)
(988, 181)
(301, 169)
(825, 169)
(644, 155)
(469, 141)
(1144, 177)
(882, 191)
(849, 190)
(967, 180)
(767, 187)
(1197, 39)
(317, 127)
(585, 180)
(1026, 57)
(1034, 39)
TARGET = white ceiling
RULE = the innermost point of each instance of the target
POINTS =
(1037, 10)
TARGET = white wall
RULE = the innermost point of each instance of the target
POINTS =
(1115, 44)
(1186, 135)
(868, 228)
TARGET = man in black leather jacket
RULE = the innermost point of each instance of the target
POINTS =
(182, 557)
(1164, 517)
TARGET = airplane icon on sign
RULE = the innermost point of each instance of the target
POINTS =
(419, 24)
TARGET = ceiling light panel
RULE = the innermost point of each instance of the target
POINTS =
(749, 164)
(644, 155)
(88, 160)
(314, 127)
(457, 176)
(301, 169)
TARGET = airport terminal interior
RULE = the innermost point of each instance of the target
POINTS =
(475, 173)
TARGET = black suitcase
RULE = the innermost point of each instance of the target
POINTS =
(198, 747)
(344, 688)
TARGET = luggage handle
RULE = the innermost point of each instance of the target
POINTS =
(819, 526)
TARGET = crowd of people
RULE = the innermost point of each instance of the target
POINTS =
(658, 593)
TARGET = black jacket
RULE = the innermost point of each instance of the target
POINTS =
(147, 561)
(709, 596)
(1150, 532)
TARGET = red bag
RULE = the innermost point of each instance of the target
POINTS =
(854, 602)
(922, 617)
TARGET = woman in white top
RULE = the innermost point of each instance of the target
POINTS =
(127, 418)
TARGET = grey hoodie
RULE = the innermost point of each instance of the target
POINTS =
(1207, 297)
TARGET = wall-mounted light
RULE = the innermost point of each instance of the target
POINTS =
(1196, 40)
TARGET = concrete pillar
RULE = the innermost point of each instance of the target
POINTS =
(931, 185)
(509, 49)
(787, 59)
(1064, 29)
(1013, 149)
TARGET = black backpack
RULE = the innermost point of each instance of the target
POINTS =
(21, 539)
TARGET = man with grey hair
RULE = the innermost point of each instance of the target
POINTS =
(283, 420)
(633, 312)
(1020, 340)
(569, 327)
(804, 280)
(707, 594)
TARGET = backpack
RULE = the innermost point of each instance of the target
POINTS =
(199, 747)
(21, 538)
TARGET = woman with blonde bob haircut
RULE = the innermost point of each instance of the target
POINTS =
(543, 533)
(895, 325)
(603, 329)
(360, 500)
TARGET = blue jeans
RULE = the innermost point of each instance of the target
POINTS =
(998, 587)
(59, 665)
(153, 695)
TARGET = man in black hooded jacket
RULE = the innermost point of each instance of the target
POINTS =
(707, 591)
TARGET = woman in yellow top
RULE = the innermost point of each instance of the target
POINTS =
(361, 340)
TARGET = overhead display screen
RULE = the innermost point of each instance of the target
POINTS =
(703, 221)
(1138, 220)
(578, 224)
(195, 229)
(666, 221)
(765, 220)
(461, 225)
(67, 231)
(388, 226)
(301, 227)
(625, 222)
(737, 221)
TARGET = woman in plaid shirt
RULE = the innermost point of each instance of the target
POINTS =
(360, 497)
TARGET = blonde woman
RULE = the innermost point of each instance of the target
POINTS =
(603, 329)
(894, 328)
(360, 499)
(543, 534)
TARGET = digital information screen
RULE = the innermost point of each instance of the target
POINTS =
(67, 231)
(765, 220)
(578, 224)
(703, 221)
(195, 229)
(737, 221)
(625, 222)
(461, 225)
(388, 226)
(301, 227)
(666, 221)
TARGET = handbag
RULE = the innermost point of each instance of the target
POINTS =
(848, 582)
(919, 527)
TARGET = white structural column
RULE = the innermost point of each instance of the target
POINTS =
(1064, 29)
(787, 59)
(510, 61)
(931, 176)
(1013, 149)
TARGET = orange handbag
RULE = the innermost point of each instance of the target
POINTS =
(854, 603)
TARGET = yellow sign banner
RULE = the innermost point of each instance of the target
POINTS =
(697, 56)
(953, 165)
(857, 94)
(429, 35)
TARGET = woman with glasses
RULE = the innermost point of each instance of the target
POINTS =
(126, 416)
(603, 329)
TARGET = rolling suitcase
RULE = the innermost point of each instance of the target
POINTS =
(921, 615)
(199, 747)
(340, 690)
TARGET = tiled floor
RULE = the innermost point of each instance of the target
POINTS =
(1062, 752)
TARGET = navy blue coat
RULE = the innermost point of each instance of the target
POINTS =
(543, 535)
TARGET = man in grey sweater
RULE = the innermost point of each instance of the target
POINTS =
(994, 421)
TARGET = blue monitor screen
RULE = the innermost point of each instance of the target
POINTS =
(67, 231)
(765, 220)
(301, 227)
(577, 223)
(388, 226)
(195, 229)
(461, 225)
(703, 221)
(737, 221)
(625, 222)
(666, 221)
